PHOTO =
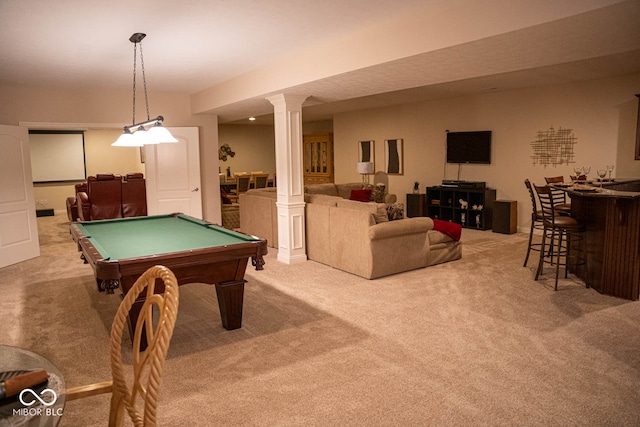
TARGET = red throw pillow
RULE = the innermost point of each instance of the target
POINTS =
(225, 199)
(363, 195)
(451, 229)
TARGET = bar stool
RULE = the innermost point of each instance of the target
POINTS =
(559, 196)
(563, 233)
(536, 222)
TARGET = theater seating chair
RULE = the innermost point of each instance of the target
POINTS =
(103, 199)
(72, 202)
(107, 196)
(134, 195)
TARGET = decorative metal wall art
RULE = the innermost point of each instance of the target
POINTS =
(225, 151)
(554, 147)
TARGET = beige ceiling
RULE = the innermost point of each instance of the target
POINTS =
(201, 45)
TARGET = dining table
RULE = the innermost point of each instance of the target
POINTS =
(610, 212)
(37, 405)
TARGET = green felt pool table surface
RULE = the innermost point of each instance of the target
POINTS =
(124, 238)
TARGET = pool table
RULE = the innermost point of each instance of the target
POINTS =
(120, 250)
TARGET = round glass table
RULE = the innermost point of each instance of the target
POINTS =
(39, 405)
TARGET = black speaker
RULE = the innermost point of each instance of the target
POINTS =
(505, 216)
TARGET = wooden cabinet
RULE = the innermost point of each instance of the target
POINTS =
(415, 205)
(318, 158)
(446, 203)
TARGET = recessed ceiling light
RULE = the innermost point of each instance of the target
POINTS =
(252, 119)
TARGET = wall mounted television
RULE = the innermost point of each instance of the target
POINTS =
(469, 147)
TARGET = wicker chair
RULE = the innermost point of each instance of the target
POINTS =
(147, 365)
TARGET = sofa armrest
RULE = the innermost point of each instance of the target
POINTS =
(84, 206)
(72, 208)
(258, 217)
(400, 227)
(398, 246)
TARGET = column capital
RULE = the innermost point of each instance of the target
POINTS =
(286, 99)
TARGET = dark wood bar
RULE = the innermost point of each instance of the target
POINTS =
(612, 219)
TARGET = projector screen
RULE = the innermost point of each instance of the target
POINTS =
(57, 156)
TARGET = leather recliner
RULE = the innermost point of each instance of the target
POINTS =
(72, 202)
(134, 195)
(103, 198)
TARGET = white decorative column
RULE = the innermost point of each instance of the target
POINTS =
(287, 115)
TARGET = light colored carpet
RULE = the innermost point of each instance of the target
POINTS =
(472, 342)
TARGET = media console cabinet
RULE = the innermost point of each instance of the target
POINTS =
(468, 206)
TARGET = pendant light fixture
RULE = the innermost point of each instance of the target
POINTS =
(150, 131)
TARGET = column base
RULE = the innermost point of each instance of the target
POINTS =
(291, 259)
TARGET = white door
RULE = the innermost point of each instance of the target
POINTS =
(18, 227)
(173, 174)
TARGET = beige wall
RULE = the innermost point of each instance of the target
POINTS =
(112, 109)
(254, 146)
(602, 114)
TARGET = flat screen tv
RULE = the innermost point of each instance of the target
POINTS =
(469, 147)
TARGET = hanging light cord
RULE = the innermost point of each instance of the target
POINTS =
(144, 81)
(135, 57)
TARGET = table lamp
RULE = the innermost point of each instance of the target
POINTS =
(365, 169)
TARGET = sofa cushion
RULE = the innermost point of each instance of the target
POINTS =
(322, 199)
(269, 192)
(328, 189)
(344, 190)
(362, 195)
(395, 211)
(378, 210)
(414, 225)
(378, 193)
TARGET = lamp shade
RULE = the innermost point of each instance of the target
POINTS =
(142, 137)
(127, 140)
(161, 134)
(365, 167)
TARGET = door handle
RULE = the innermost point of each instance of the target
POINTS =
(196, 189)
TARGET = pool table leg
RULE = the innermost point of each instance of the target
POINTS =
(230, 299)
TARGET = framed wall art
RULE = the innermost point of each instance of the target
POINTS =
(393, 157)
(366, 152)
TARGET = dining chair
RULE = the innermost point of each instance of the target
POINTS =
(561, 235)
(242, 186)
(560, 196)
(536, 222)
(260, 180)
(147, 365)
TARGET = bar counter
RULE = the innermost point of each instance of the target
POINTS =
(612, 219)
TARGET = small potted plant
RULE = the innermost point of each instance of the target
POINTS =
(416, 187)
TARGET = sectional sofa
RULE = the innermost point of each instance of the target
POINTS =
(353, 236)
